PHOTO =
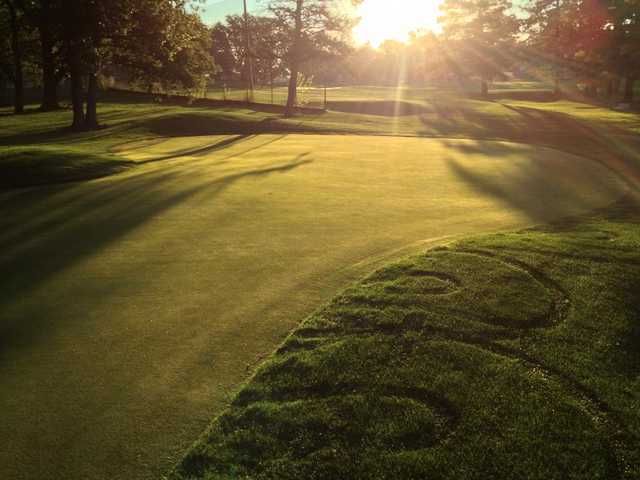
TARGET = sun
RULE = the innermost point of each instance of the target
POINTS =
(393, 20)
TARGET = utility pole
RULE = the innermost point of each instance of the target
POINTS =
(556, 73)
(247, 48)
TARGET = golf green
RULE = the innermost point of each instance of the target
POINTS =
(132, 307)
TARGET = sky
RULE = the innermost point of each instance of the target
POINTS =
(380, 19)
(217, 10)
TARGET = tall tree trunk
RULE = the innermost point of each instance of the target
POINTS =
(295, 60)
(91, 118)
(49, 78)
(610, 89)
(484, 88)
(557, 91)
(18, 77)
(293, 91)
(247, 50)
(75, 71)
(628, 88)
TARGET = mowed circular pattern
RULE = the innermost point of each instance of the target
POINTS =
(133, 306)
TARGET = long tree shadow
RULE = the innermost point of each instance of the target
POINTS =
(49, 208)
(609, 146)
(88, 225)
(606, 145)
(198, 151)
(539, 187)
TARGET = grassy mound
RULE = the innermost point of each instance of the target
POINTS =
(30, 166)
(507, 356)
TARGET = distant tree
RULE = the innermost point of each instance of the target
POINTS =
(222, 52)
(45, 17)
(164, 44)
(155, 40)
(592, 39)
(552, 34)
(479, 35)
(12, 53)
(267, 48)
(623, 52)
(309, 29)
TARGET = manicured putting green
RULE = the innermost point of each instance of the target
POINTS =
(134, 306)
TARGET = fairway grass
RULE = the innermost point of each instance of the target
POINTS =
(134, 305)
(57, 153)
(507, 356)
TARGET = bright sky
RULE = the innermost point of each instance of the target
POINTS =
(394, 20)
(216, 10)
(381, 19)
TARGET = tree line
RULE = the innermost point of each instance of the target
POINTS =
(595, 42)
(165, 41)
(80, 40)
(156, 41)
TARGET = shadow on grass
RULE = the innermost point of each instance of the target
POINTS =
(129, 97)
(199, 151)
(27, 167)
(542, 96)
(202, 124)
(526, 189)
(37, 245)
(612, 148)
(385, 108)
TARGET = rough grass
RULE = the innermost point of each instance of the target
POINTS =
(507, 356)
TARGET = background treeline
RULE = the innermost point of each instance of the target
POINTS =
(594, 43)
(81, 41)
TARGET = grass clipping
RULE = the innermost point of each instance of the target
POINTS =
(509, 356)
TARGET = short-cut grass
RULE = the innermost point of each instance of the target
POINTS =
(132, 306)
(507, 356)
(587, 130)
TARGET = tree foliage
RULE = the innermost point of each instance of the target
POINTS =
(161, 41)
(480, 35)
(310, 30)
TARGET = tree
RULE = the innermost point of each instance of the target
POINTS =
(13, 25)
(479, 35)
(44, 18)
(222, 53)
(164, 44)
(266, 54)
(594, 39)
(551, 33)
(157, 40)
(623, 54)
(309, 29)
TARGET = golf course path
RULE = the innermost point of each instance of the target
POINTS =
(132, 307)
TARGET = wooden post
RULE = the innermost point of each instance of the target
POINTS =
(271, 83)
(247, 46)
